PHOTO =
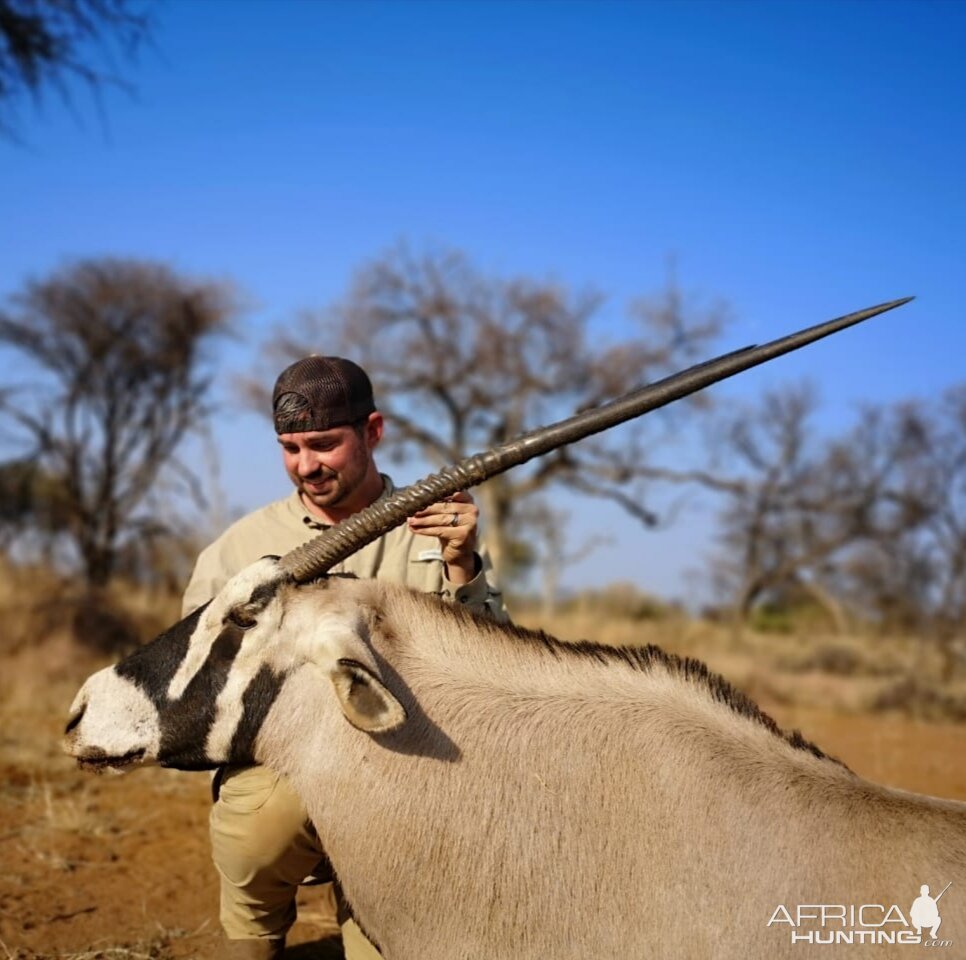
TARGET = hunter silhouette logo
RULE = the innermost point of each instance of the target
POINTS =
(925, 910)
(873, 923)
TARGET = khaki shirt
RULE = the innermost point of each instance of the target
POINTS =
(399, 556)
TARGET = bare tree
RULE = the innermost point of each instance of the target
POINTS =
(462, 362)
(114, 350)
(770, 539)
(914, 575)
(50, 43)
(947, 518)
(554, 554)
(854, 522)
(32, 505)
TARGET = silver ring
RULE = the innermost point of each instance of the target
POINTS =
(455, 522)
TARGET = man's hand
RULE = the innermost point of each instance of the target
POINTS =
(453, 522)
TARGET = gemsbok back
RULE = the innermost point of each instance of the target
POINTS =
(489, 792)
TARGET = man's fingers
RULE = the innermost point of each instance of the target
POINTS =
(458, 535)
(458, 503)
(441, 514)
(442, 533)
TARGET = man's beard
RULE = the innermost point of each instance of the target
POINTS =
(336, 493)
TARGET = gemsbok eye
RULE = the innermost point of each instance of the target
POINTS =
(241, 617)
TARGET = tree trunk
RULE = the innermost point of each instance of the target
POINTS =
(98, 566)
(829, 604)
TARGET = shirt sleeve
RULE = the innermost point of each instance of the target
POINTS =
(207, 578)
(480, 595)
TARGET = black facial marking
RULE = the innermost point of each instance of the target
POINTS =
(246, 614)
(185, 722)
(97, 761)
(265, 592)
(75, 720)
(258, 698)
(152, 666)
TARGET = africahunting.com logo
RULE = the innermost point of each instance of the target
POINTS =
(837, 923)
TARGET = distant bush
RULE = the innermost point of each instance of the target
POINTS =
(619, 600)
(914, 698)
(38, 603)
(800, 615)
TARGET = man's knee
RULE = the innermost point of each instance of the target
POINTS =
(263, 846)
(258, 823)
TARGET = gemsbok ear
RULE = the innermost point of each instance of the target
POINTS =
(366, 702)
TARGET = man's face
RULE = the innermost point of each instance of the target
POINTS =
(329, 466)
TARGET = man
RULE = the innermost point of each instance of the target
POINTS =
(328, 428)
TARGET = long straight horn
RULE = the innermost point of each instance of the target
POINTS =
(313, 559)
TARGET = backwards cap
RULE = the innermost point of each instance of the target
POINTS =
(319, 393)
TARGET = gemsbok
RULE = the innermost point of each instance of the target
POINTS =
(485, 791)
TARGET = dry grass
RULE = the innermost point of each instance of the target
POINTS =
(157, 947)
(37, 604)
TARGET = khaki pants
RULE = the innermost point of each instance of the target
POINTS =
(263, 846)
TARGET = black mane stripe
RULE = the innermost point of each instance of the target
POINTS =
(693, 671)
(644, 659)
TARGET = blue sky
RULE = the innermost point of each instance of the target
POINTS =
(799, 160)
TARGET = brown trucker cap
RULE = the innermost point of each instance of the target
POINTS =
(319, 393)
